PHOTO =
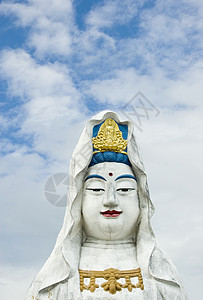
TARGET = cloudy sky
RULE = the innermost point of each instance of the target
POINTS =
(62, 61)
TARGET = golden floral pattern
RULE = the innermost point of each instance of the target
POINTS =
(112, 285)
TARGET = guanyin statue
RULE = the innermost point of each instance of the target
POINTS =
(106, 248)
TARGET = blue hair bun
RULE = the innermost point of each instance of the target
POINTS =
(109, 156)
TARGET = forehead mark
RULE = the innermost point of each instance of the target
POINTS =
(94, 176)
(126, 176)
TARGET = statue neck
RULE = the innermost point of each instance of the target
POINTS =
(106, 244)
(100, 254)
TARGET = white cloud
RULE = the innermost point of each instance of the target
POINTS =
(51, 22)
(89, 41)
(120, 88)
(23, 231)
(107, 14)
(159, 89)
(28, 79)
(3, 122)
(172, 32)
(51, 99)
(166, 35)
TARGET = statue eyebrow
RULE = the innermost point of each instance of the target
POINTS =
(126, 176)
(94, 176)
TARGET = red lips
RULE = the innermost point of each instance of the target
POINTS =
(111, 213)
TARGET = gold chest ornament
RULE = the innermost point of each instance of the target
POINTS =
(112, 285)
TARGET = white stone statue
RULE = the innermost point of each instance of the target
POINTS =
(106, 248)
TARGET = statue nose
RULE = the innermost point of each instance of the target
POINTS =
(110, 199)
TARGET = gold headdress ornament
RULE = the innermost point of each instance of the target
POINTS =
(109, 138)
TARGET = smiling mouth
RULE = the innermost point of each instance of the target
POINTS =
(111, 213)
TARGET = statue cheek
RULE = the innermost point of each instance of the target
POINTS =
(91, 206)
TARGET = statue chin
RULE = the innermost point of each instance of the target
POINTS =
(108, 229)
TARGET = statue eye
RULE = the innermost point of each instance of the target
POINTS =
(124, 190)
(95, 189)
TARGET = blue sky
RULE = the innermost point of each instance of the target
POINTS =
(62, 61)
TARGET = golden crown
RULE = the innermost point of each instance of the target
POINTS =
(109, 138)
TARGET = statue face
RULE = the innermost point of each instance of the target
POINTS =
(110, 206)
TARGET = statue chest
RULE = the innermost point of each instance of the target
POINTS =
(110, 273)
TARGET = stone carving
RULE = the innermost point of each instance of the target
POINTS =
(106, 248)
